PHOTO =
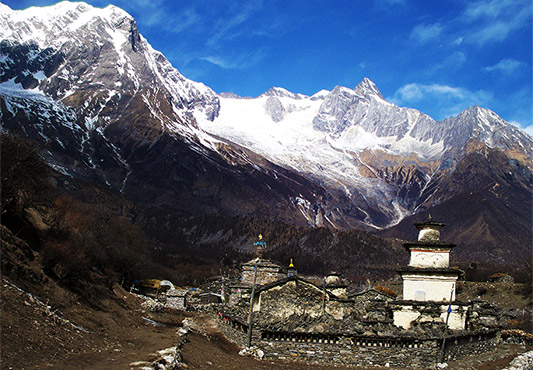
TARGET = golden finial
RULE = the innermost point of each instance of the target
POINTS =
(260, 237)
(291, 264)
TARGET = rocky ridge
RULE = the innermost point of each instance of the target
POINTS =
(114, 110)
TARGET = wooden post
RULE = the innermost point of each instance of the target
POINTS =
(449, 311)
(324, 297)
(251, 314)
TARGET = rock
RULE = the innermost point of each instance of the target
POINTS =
(36, 219)
(187, 323)
(252, 352)
(140, 363)
(524, 361)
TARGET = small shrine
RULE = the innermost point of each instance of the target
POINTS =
(429, 279)
(259, 270)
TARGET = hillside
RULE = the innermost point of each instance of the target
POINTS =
(190, 177)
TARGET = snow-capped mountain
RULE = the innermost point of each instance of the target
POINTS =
(113, 109)
(354, 141)
(76, 47)
(94, 64)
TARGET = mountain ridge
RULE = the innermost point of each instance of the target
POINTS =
(114, 110)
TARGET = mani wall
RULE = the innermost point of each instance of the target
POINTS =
(358, 350)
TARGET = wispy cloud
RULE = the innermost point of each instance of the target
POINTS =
(386, 5)
(494, 20)
(506, 66)
(529, 130)
(424, 33)
(525, 128)
(390, 2)
(445, 100)
(241, 61)
(229, 27)
(185, 20)
(488, 9)
(148, 13)
(480, 23)
(450, 63)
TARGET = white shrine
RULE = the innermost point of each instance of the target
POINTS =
(429, 278)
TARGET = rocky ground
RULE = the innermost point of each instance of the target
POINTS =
(123, 335)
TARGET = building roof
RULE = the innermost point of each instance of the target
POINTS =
(431, 270)
(429, 224)
(433, 244)
(295, 278)
(371, 291)
(177, 292)
(261, 262)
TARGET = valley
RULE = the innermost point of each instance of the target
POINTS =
(115, 168)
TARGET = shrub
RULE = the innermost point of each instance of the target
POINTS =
(24, 172)
(386, 291)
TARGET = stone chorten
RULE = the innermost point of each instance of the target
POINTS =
(267, 271)
(428, 277)
(335, 284)
(291, 270)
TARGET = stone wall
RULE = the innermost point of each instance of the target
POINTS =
(407, 314)
(354, 351)
(357, 350)
(265, 274)
(469, 345)
(234, 330)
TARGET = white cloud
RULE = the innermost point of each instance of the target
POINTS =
(528, 129)
(439, 100)
(226, 27)
(450, 63)
(523, 127)
(185, 20)
(494, 20)
(488, 9)
(423, 33)
(494, 32)
(506, 66)
(239, 62)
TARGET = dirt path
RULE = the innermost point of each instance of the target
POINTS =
(36, 337)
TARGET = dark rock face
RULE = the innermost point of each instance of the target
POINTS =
(113, 110)
(486, 205)
(26, 60)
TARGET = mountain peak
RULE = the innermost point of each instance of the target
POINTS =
(281, 92)
(55, 21)
(367, 87)
(481, 113)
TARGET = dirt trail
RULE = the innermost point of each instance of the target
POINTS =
(34, 336)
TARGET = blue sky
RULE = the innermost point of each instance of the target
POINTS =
(436, 56)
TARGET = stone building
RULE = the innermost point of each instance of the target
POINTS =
(177, 298)
(258, 271)
(290, 317)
